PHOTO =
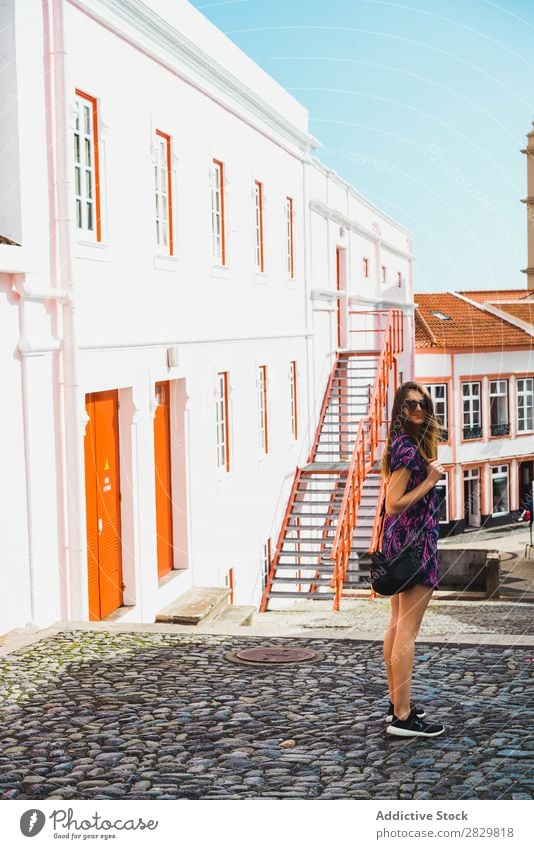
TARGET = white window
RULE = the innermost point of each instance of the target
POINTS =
(472, 421)
(499, 487)
(218, 224)
(162, 186)
(289, 237)
(258, 225)
(262, 409)
(438, 393)
(525, 406)
(500, 425)
(443, 492)
(293, 390)
(86, 168)
(223, 455)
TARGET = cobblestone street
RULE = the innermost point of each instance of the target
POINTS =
(144, 715)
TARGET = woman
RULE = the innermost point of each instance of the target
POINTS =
(412, 515)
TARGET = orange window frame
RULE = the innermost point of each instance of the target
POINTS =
(224, 375)
(259, 201)
(365, 263)
(167, 139)
(220, 167)
(291, 256)
(93, 102)
(263, 371)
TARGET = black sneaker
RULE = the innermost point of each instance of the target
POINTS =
(412, 726)
(419, 712)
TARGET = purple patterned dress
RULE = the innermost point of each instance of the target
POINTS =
(419, 523)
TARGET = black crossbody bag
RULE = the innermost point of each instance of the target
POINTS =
(391, 575)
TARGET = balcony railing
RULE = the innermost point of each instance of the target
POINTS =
(500, 429)
(473, 432)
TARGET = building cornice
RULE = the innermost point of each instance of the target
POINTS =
(350, 224)
(361, 300)
(141, 26)
(333, 175)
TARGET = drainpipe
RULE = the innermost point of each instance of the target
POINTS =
(64, 225)
(308, 313)
(411, 322)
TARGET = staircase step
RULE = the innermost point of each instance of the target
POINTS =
(309, 489)
(198, 604)
(310, 516)
(336, 500)
(325, 567)
(303, 553)
(237, 614)
(325, 467)
(303, 594)
(325, 582)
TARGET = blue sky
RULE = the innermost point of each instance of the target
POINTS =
(423, 106)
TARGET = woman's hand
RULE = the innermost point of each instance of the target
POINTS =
(435, 471)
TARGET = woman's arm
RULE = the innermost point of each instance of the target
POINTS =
(397, 499)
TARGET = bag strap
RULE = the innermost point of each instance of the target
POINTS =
(373, 593)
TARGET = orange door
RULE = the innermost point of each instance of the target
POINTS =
(162, 460)
(102, 488)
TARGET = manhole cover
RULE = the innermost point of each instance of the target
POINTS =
(273, 654)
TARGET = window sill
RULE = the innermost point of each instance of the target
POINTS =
(291, 283)
(260, 277)
(84, 249)
(221, 271)
(164, 262)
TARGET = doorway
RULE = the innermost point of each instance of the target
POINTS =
(472, 498)
(102, 499)
(525, 477)
(162, 462)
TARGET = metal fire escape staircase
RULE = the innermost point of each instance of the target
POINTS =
(332, 518)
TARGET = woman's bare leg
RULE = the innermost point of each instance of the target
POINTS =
(389, 639)
(412, 605)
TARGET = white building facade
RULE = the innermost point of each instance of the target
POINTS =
(184, 270)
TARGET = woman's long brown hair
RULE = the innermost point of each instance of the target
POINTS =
(426, 435)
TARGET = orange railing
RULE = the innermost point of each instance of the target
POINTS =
(398, 329)
(363, 455)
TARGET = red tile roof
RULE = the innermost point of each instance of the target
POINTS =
(525, 312)
(468, 326)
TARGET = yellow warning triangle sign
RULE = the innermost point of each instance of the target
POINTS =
(106, 465)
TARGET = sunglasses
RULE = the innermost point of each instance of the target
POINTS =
(412, 405)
